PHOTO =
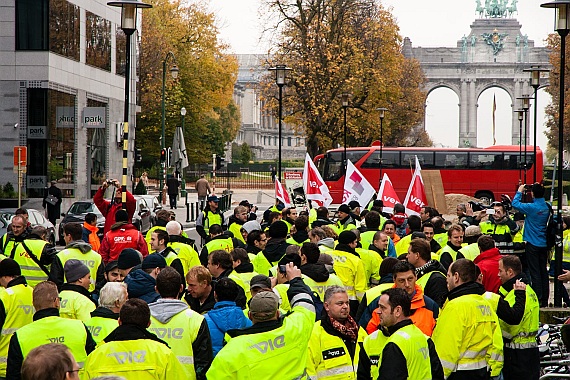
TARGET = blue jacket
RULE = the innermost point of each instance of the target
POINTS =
(391, 249)
(223, 317)
(536, 219)
(141, 285)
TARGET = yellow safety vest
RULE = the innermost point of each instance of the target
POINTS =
(329, 357)
(294, 242)
(281, 291)
(187, 255)
(246, 278)
(53, 329)
(149, 235)
(422, 281)
(180, 332)
(101, 327)
(366, 238)
(91, 259)
(220, 244)
(267, 355)
(321, 287)
(350, 269)
(470, 251)
(235, 228)
(261, 265)
(468, 336)
(141, 359)
(33, 273)
(210, 219)
(7, 245)
(414, 346)
(375, 292)
(373, 345)
(403, 244)
(75, 305)
(441, 238)
(237, 279)
(523, 335)
(19, 309)
(371, 261)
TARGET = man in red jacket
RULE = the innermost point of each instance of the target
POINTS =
(108, 209)
(122, 235)
(488, 262)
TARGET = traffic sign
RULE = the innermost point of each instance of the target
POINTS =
(20, 156)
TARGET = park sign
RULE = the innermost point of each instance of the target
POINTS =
(94, 117)
(65, 117)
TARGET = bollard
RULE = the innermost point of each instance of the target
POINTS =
(187, 209)
(192, 212)
(259, 195)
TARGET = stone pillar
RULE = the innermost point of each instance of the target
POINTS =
(515, 136)
(472, 132)
(463, 112)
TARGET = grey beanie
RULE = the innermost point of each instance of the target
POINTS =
(74, 270)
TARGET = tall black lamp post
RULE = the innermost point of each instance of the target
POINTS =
(344, 100)
(174, 72)
(525, 105)
(562, 26)
(128, 25)
(280, 77)
(535, 83)
(183, 179)
(520, 114)
(382, 113)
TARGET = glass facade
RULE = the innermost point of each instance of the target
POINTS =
(97, 144)
(121, 50)
(32, 24)
(98, 41)
(64, 29)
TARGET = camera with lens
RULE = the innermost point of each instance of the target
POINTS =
(477, 206)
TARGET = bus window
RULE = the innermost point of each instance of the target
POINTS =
(425, 158)
(450, 160)
(334, 168)
(390, 159)
(487, 161)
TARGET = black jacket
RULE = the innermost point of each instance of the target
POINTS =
(195, 305)
(445, 259)
(436, 287)
(241, 299)
(15, 356)
(132, 332)
(512, 315)
(244, 268)
(317, 272)
(275, 249)
(321, 222)
(176, 263)
(300, 236)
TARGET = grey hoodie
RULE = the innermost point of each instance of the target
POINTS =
(327, 242)
(80, 245)
(165, 309)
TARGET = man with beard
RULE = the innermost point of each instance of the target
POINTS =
(237, 220)
(256, 241)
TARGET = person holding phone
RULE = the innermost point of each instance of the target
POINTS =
(500, 227)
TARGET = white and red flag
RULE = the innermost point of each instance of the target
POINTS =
(315, 188)
(388, 195)
(356, 187)
(416, 196)
(282, 194)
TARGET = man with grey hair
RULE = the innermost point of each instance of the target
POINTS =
(248, 353)
(184, 247)
(104, 319)
(339, 327)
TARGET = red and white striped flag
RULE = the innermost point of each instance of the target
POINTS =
(315, 188)
(388, 195)
(282, 194)
(416, 196)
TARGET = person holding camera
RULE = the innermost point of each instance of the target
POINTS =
(500, 227)
(537, 213)
(109, 208)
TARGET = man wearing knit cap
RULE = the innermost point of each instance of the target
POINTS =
(121, 235)
(129, 260)
(76, 301)
(142, 282)
(349, 268)
(16, 306)
(274, 249)
(345, 221)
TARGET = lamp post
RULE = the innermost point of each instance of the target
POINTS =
(535, 83)
(520, 114)
(280, 76)
(128, 25)
(562, 26)
(183, 179)
(344, 100)
(174, 72)
(382, 112)
(525, 105)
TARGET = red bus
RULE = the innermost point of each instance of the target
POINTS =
(483, 173)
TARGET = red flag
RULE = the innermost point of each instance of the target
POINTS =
(416, 196)
(282, 194)
(388, 195)
(315, 188)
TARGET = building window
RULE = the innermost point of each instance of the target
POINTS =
(97, 144)
(32, 24)
(288, 141)
(98, 41)
(121, 50)
(64, 28)
(275, 141)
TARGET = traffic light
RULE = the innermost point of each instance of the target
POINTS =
(163, 155)
(219, 162)
(138, 155)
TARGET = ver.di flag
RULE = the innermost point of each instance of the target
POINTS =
(416, 196)
(356, 187)
(388, 195)
(282, 194)
(315, 188)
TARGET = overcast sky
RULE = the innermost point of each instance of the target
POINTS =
(426, 23)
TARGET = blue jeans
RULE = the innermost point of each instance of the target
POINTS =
(537, 258)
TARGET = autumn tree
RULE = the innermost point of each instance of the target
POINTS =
(204, 86)
(337, 46)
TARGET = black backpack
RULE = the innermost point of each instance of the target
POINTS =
(551, 228)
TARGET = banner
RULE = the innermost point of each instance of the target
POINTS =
(282, 194)
(315, 188)
(416, 196)
(388, 195)
(356, 187)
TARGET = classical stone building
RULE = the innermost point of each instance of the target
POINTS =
(260, 129)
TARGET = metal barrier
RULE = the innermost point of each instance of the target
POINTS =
(235, 179)
(193, 209)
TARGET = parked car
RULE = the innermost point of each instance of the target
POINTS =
(35, 217)
(153, 204)
(142, 217)
(76, 213)
(3, 225)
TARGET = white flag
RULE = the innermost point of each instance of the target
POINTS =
(356, 187)
(416, 196)
(315, 188)
(388, 195)
(282, 194)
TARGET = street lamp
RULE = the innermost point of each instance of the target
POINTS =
(382, 112)
(174, 72)
(525, 105)
(183, 186)
(562, 26)
(128, 25)
(344, 100)
(535, 83)
(280, 76)
(520, 114)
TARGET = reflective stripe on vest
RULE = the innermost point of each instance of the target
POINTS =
(523, 335)
(335, 371)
